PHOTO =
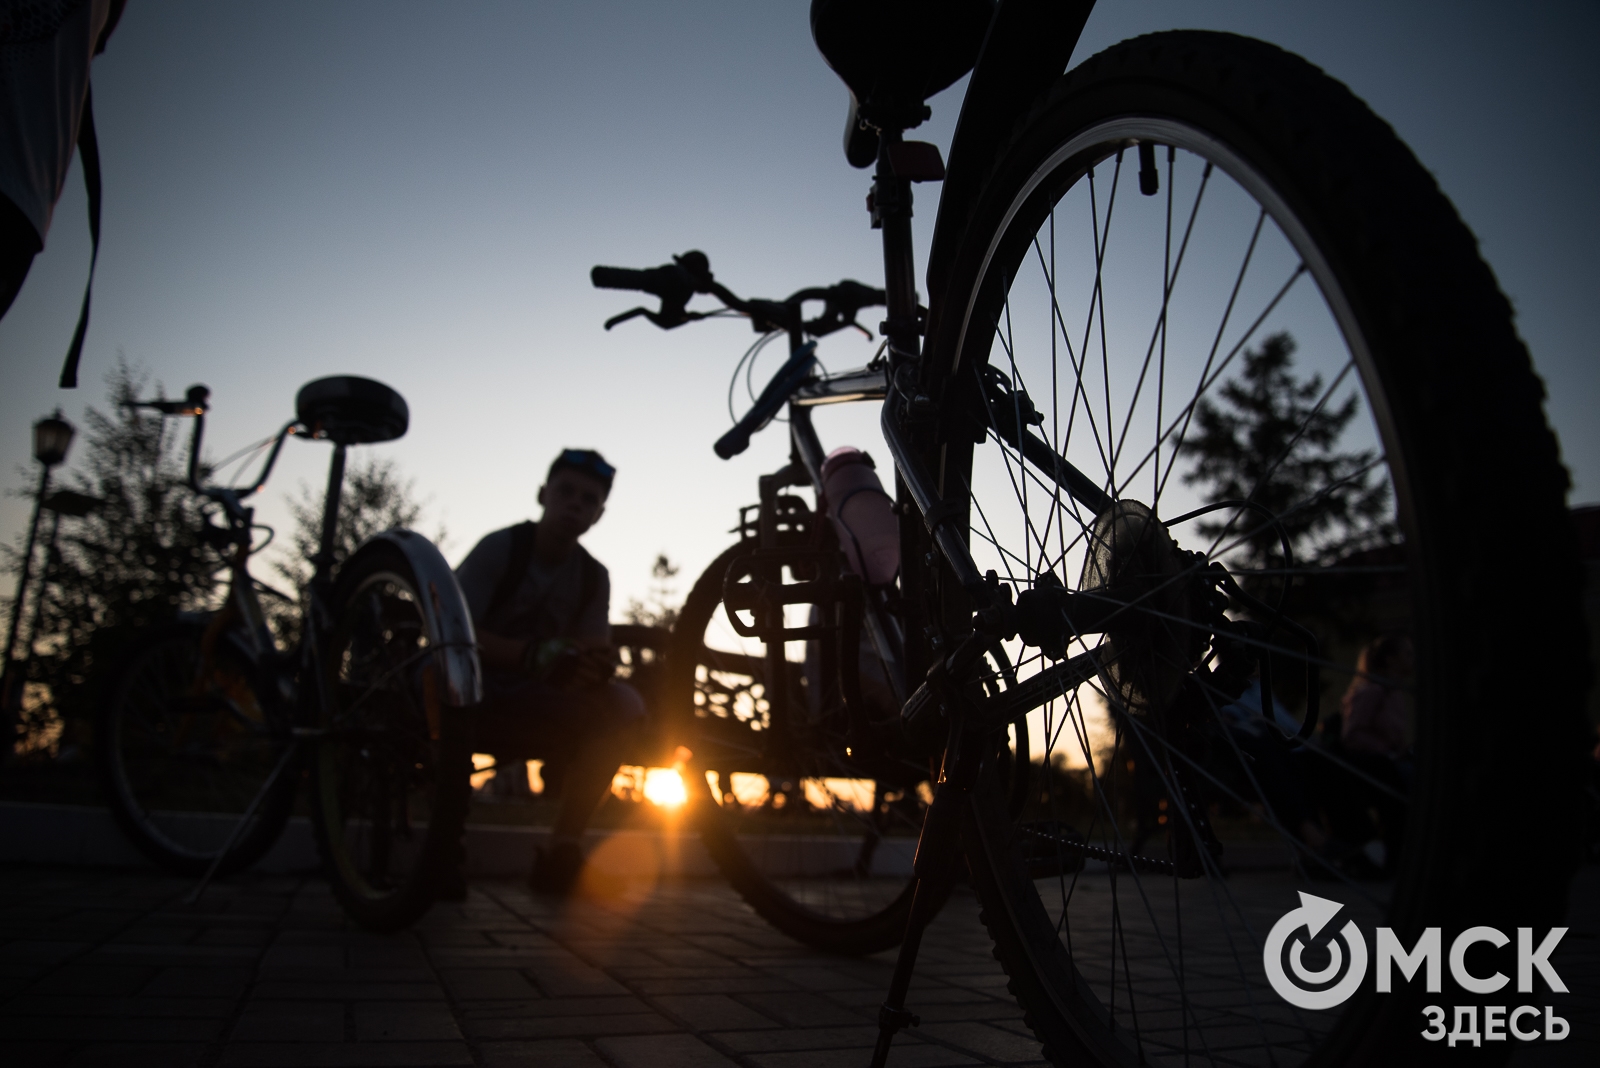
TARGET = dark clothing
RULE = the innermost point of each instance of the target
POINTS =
(522, 718)
(547, 602)
(1374, 719)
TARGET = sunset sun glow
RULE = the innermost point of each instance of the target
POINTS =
(664, 787)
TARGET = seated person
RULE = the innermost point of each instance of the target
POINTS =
(540, 604)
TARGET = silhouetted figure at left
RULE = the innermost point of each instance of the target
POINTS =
(540, 604)
(45, 114)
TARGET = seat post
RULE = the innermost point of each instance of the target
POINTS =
(890, 205)
(330, 517)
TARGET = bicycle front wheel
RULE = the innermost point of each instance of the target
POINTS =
(186, 746)
(1202, 271)
(391, 776)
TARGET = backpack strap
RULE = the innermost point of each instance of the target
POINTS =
(523, 541)
(517, 561)
(588, 587)
(89, 156)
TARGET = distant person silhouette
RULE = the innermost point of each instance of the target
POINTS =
(540, 604)
(1373, 738)
(45, 112)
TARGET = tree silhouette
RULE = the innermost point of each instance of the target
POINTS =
(375, 498)
(663, 605)
(132, 564)
(1274, 439)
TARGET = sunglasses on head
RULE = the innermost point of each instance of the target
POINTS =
(588, 462)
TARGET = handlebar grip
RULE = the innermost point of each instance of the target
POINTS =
(734, 441)
(773, 397)
(620, 278)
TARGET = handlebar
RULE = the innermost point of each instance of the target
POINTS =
(676, 283)
(773, 397)
(196, 403)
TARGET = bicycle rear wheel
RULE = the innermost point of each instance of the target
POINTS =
(818, 842)
(1145, 329)
(391, 779)
(185, 745)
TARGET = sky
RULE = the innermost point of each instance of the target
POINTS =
(415, 192)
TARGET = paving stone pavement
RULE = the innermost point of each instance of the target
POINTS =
(105, 967)
(109, 967)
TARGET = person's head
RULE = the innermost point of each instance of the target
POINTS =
(1388, 657)
(575, 491)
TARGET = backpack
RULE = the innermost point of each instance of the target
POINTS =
(517, 562)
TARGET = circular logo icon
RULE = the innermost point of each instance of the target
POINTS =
(1325, 987)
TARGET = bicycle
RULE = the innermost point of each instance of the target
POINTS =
(1074, 344)
(211, 723)
(816, 805)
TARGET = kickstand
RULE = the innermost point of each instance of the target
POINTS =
(238, 828)
(892, 1014)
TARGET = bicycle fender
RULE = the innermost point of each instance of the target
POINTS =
(447, 614)
(1026, 49)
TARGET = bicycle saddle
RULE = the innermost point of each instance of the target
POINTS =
(894, 54)
(349, 410)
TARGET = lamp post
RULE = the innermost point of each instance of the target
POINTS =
(52, 437)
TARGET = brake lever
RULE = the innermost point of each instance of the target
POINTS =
(631, 313)
(663, 318)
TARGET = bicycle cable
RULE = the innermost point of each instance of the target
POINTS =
(733, 383)
(244, 454)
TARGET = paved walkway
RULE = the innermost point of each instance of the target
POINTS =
(109, 968)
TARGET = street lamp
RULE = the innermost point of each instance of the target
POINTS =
(52, 437)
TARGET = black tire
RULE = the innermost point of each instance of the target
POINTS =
(184, 745)
(714, 689)
(390, 777)
(1456, 410)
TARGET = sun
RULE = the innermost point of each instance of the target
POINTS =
(664, 787)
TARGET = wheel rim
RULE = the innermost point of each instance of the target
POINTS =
(192, 749)
(831, 836)
(376, 768)
(1100, 320)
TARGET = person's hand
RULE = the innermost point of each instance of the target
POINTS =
(594, 666)
(565, 666)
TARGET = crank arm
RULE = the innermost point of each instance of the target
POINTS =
(1008, 706)
(923, 711)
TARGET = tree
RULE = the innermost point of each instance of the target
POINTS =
(1272, 439)
(662, 607)
(131, 565)
(375, 498)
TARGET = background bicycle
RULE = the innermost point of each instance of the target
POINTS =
(210, 723)
(1121, 256)
(786, 669)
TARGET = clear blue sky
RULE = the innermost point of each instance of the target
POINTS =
(415, 192)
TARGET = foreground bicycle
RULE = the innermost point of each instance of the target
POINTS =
(1114, 249)
(210, 723)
